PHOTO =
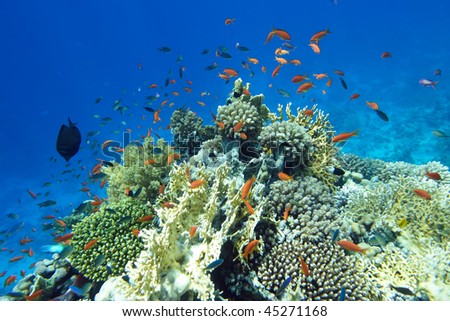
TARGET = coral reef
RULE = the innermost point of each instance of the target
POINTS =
(111, 228)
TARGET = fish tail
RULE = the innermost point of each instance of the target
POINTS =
(355, 133)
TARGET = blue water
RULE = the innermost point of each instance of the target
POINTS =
(59, 56)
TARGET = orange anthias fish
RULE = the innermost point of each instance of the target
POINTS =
(35, 295)
(249, 207)
(320, 76)
(350, 246)
(250, 248)
(16, 258)
(276, 70)
(156, 117)
(192, 232)
(90, 244)
(423, 194)
(295, 62)
(372, 105)
(304, 87)
(433, 175)
(315, 48)
(286, 212)
(284, 176)
(230, 72)
(10, 279)
(309, 112)
(238, 126)
(197, 183)
(354, 96)
(319, 35)
(283, 34)
(247, 186)
(298, 78)
(305, 269)
(339, 72)
(64, 237)
(32, 194)
(253, 60)
(229, 21)
(135, 232)
(344, 136)
(386, 54)
(146, 218)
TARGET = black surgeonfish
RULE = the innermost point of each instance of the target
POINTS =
(69, 139)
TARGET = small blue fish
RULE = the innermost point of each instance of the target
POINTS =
(76, 290)
(284, 286)
(342, 294)
(335, 235)
(214, 264)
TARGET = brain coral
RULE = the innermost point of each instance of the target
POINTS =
(112, 227)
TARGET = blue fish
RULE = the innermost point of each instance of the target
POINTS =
(214, 264)
(335, 235)
(77, 290)
(283, 286)
(342, 294)
(15, 228)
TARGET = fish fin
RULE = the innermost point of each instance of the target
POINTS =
(71, 124)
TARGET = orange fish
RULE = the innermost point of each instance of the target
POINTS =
(264, 69)
(286, 212)
(30, 252)
(25, 240)
(372, 105)
(2, 274)
(309, 112)
(10, 279)
(243, 135)
(245, 92)
(16, 258)
(344, 136)
(230, 72)
(276, 71)
(229, 21)
(319, 35)
(253, 60)
(189, 90)
(103, 183)
(281, 61)
(432, 175)
(298, 78)
(339, 72)
(247, 186)
(32, 194)
(61, 223)
(295, 62)
(238, 126)
(156, 117)
(192, 232)
(422, 193)
(153, 86)
(320, 76)
(354, 96)
(175, 93)
(170, 158)
(146, 218)
(386, 54)
(35, 295)
(201, 103)
(304, 87)
(279, 33)
(168, 205)
(284, 176)
(197, 183)
(135, 232)
(149, 162)
(305, 269)
(250, 248)
(189, 82)
(161, 189)
(224, 76)
(63, 238)
(90, 244)
(315, 48)
(329, 82)
(249, 207)
(350, 246)
(221, 125)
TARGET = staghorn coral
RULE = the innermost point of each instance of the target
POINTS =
(330, 271)
(242, 108)
(112, 227)
(172, 264)
(135, 173)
